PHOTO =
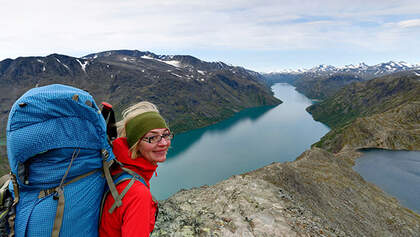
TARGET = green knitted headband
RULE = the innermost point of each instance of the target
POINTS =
(138, 126)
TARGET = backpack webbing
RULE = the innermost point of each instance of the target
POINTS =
(129, 175)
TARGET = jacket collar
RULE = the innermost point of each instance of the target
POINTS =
(139, 165)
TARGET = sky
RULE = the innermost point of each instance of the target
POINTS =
(261, 35)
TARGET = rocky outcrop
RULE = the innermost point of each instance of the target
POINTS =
(317, 195)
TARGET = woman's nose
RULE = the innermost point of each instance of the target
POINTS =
(163, 142)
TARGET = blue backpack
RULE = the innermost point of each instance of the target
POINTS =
(60, 157)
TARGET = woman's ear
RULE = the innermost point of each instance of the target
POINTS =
(137, 150)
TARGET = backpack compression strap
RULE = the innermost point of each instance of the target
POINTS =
(59, 195)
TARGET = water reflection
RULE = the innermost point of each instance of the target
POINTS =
(396, 172)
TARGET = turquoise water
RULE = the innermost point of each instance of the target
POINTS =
(395, 172)
(249, 140)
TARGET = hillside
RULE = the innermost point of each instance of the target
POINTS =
(395, 129)
(321, 87)
(363, 99)
(381, 113)
(319, 194)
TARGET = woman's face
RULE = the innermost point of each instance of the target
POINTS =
(155, 152)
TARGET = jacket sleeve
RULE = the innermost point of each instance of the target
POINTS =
(137, 210)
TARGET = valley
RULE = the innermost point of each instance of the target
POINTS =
(316, 194)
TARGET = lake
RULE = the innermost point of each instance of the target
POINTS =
(251, 139)
(395, 172)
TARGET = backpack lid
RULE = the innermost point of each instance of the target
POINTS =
(52, 117)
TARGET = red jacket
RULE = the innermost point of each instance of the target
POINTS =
(136, 215)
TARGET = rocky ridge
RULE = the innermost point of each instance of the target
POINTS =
(317, 195)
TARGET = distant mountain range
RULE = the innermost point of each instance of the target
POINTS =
(323, 81)
(363, 70)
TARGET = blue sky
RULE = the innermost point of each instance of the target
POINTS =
(262, 35)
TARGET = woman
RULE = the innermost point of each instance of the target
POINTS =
(144, 139)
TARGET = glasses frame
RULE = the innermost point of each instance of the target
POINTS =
(169, 137)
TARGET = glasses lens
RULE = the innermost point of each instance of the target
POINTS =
(155, 139)
(158, 138)
(168, 136)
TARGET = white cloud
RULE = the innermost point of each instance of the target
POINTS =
(409, 23)
(80, 27)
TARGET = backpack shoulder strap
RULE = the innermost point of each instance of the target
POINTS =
(118, 178)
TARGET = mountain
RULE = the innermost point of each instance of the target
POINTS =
(271, 78)
(321, 87)
(189, 92)
(323, 81)
(380, 113)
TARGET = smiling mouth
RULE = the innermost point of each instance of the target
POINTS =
(160, 152)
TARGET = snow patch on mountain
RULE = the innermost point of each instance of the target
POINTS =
(174, 63)
(83, 65)
(58, 60)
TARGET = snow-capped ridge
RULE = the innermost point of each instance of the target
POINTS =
(360, 68)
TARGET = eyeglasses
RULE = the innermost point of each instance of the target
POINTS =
(157, 138)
